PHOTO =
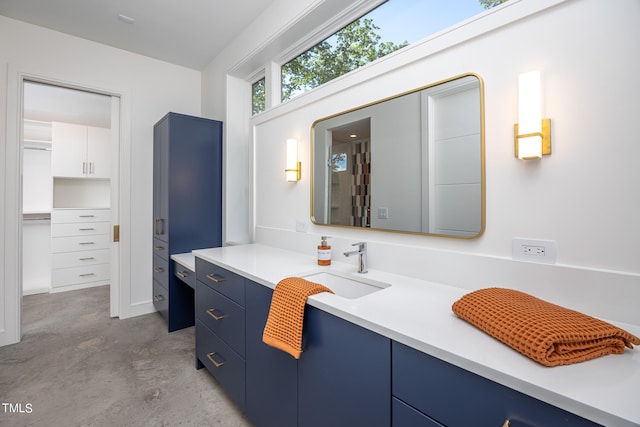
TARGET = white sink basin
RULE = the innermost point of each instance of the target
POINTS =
(345, 285)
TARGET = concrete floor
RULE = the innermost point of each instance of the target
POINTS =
(77, 367)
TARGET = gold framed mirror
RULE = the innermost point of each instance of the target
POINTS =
(410, 163)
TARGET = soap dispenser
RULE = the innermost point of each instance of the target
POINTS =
(324, 252)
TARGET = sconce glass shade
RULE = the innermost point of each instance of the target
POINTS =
(292, 169)
(532, 133)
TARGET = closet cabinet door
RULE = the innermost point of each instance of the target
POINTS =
(98, 152)
(80, 151)
(68, 150)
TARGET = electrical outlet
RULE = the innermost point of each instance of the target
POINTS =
(533, 250)
(542, 251)
(383, 213)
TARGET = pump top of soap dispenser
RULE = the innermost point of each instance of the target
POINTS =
(323, 241)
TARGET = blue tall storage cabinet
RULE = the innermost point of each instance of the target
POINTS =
(187, 205)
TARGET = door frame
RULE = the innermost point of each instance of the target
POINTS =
(11, 299)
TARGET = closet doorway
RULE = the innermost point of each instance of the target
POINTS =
(70, 151)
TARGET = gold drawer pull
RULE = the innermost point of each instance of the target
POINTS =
(87, 229)
(215, 278)
(215, 363)
(506, 424)
(159, 270)
(219, 316)
(87, 243)
(87, 274)
(159, 248)
(87, 216)
(183, 274)
(158, 298)
(89, 258)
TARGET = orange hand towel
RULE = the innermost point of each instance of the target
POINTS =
(284, 323)
(547, 333)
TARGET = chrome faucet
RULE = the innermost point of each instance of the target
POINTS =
(362, 252)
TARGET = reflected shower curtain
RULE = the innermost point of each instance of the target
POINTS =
(361, 186)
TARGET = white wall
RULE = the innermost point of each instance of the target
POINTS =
(149, 88)
(584, 196)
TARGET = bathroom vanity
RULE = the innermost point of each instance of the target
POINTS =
(397, 356)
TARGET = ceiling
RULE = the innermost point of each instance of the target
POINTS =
(48, 103)
(186, 32)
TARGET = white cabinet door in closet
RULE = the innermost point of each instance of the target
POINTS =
(69, 150)
(80, 151)
(99, 152)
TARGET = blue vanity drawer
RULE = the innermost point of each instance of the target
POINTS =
(226, 366)
(223, 316)
(184, 274)
(227, 283)
(456, 397)
(161, 271)
(403, 415)
(161, 299)
(160, 248)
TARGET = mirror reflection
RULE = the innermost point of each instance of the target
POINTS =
(413, 163)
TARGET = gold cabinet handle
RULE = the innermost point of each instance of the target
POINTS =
(87, 274)
(214, 361)
(89, 258)
(159, 270)
(215, 278)
(183, 274)
(157, 230)
(219, 316)
(158, 298)
(87, 229)
(506, 423)
(159, 248)
(87, 243)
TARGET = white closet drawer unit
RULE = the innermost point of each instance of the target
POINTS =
(79, 229)
(82, 258)
(80, 246)
(79, 243)
(59, 216)
(77, 275)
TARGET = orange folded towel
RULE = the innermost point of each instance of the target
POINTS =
(547, 333)
(286, 314)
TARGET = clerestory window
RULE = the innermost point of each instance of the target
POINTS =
(391, 26)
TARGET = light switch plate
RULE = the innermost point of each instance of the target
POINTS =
(302, 226)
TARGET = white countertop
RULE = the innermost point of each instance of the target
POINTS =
(187, 260)
(418, 313)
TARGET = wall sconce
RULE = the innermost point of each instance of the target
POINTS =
(532, 134)
(292, 170)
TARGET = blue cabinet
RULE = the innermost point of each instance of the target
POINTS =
(220, 328)
(452, 396)
(347, 375)
(271, 374)
(406, 416)
(187, 204)
(344, 374)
